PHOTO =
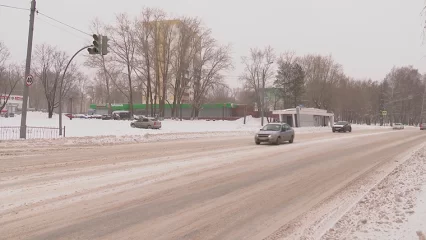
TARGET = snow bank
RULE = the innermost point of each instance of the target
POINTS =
(394, 209)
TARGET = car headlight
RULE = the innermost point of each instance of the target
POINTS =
(269, 136)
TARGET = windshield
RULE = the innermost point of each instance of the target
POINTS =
(341, 123)
(272, 127)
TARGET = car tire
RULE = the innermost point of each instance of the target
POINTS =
(334, 130)
(350, 129)
(132, 125)
(291, 139)
(278, 141)
(149, 127)
(257, 143)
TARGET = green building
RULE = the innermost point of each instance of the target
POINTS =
(217, 110)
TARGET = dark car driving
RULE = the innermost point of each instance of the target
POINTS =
(342, 126)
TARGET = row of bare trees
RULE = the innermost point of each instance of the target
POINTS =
(318, 81)
(48, 65)
(48, 68)
(153, 59)
(158, 60)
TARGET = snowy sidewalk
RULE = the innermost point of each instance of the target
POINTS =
(394, 209)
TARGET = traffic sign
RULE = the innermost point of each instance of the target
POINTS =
(29, 80)
(384, 113)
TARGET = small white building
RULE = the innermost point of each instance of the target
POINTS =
(305, 117)
(14, 102)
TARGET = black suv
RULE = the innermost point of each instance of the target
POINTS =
(121, 115)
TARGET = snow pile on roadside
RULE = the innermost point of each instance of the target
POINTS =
(119, 139)
(394, 209)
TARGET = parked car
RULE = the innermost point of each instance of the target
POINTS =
(146, 122)
(121, 115)
(275, 133)
(69, 115)
(95, 116)
(422, 126)
(398, 126)
(106, 117)
(342, 126)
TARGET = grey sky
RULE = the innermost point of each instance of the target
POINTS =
(367, 37)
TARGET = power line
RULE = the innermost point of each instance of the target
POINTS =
(63, 29)
(19, 8)
(51, 18)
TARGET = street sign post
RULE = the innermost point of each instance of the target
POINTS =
(29, 80)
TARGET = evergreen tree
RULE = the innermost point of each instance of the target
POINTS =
(290, 80)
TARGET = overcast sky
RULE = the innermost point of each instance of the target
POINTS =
(368, 37)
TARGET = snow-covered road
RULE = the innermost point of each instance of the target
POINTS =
(208, 188)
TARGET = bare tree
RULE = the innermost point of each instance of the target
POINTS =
(123, 48)
(322, 75)
(189, 29)
(406, 94)
(5, 78)
(164, 59)
(147, 67)
(4, 54)
(9, 80)
(210, 62)
(162, 48)
(49, 65)
(221, 94)
(258, 71)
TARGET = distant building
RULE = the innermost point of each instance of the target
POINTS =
(14, 103)
(217, 111)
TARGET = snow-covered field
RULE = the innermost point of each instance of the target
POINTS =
(109, 131)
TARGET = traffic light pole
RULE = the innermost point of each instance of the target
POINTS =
(62, 83)
(23, 128)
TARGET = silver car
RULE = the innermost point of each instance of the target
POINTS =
(146, 122)
(275, 133)
(398, 126)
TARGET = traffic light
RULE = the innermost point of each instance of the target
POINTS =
(97, 45)
(105, 45)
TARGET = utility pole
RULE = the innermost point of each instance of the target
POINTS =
(262, 99)
(23, 129)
